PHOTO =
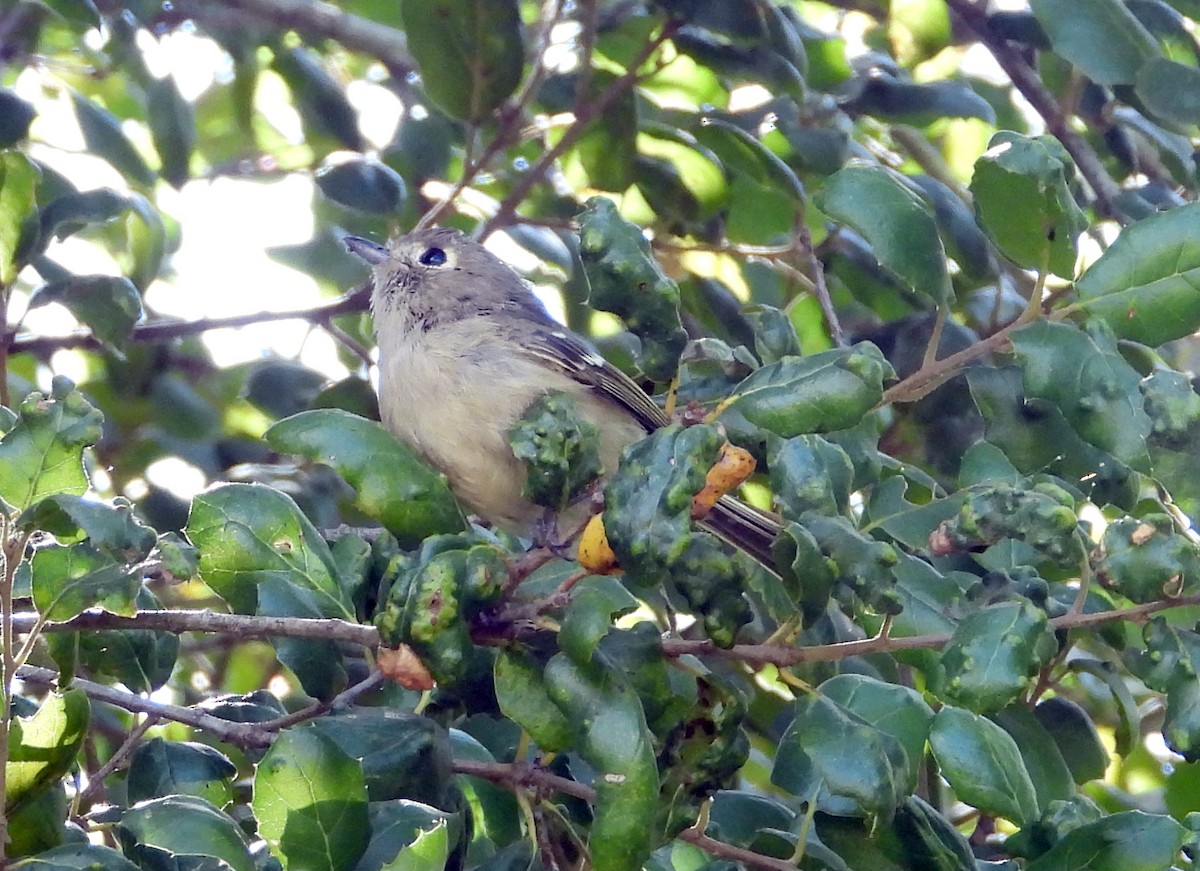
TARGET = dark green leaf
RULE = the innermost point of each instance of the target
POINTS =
(319, 97)
(524, 698)
(896, 710)
(172, 127)
(1047, 769)
(983, 765)
(365, 185)
(1075, 736)
(392, 484)
(848, 765)
(103, 136)
(311, 802)
(1169, 664)
(896, 222)
(559, 448)
(1126, 841)
(809, 473)
(1101, 37)
(1144, 285)
(80, 857)
(1023, 201)
(67, 580)
(469, 52)
(109, 305)
(625, 279)
(15, 117)
(41, 455)
(828, 391)
(160, 768)
(615, 741)
(1084, 375)
(187, 827)
(994, 654)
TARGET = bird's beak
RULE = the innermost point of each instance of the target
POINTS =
(367, 250)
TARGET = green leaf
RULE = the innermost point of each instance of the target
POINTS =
(589, 616)
(1101, 37)
(319, 97)
(109, 305)
(67, 580)
(249, 535)
(809, 473)
(161, 768)
(896, 710)
(79, 857)
(524, 698)
(397, 826)
(983, 765)
(1040, 753)
(1169, 90)
(559, 448)
(1144, 285)
(603, 157)
(41, 455)
(1169, 664)
(403, 756)
(43, 747)
(172, 127)
(1125, 841)
(827, 391)
(103, 137)
(896, 222)
(392, 484)
(310, 802)
(615, 741)
(1084, 375)
(186, 827)
(469, 52)
(71, 212)
(112, 528)
(1146, 559)
(995, 652)
(625, 279)
(1075, 736)
(849, 766)
(1024, 203)
(365, 185)
(18, 180)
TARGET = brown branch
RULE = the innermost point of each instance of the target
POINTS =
(1029, 83)
(722, 850)
(352, 301)
(584, 114)
(244, 734)
(315, 20)
(240, 625)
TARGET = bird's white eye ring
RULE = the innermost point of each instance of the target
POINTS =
(432, 257)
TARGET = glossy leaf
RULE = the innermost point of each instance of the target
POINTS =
(103, 136)
(1101, 37)
(994, 654)
(1126, 841)
(625, 279)
(469, 53)
(67, 580)
(365, 185)
(18, 181)
(172, 127)
(392, 484)
(1144, 285)
(310, 802)
(187, 827)
(983, 765)
(848, 765)
(827, 391)
(895, 221)
(160, 768)
(41, 454)
(1024, 203)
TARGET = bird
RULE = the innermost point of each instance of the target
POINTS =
(466, 347)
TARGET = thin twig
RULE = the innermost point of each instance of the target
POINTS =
(1029, 83)
(584, 114)
(353, 301)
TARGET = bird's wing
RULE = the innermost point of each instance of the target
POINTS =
(583, 363)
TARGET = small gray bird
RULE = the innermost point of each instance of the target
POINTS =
(465, 348)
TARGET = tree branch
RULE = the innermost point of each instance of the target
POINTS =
(1029, 83)
(315, 20)
(356, 300)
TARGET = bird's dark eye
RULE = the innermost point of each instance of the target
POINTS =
(433, 257)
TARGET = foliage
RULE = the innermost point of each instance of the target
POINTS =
(950, 314)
